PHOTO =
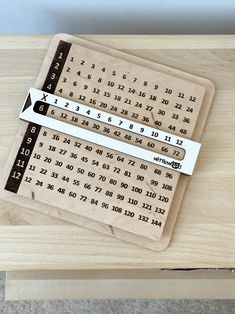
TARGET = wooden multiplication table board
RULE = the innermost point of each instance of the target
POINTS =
(107, 190)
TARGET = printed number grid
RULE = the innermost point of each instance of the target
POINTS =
(99, 183)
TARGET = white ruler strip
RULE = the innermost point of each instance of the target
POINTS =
(191, 148)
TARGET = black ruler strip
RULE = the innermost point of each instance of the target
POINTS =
(33, 130)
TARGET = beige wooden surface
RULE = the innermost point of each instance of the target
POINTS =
(205, 230)
(110, 284)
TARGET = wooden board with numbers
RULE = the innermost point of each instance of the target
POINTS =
(100, 188)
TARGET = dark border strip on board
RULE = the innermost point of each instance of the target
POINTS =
(33, 130)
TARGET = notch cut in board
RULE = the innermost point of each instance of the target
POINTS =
(94, 186)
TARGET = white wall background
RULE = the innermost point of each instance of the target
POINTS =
(117, 16)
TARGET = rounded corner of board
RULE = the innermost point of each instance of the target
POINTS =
(209, 87)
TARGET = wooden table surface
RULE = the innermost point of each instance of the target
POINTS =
(205, 229)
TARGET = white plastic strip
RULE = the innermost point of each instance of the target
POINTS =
(186, 165)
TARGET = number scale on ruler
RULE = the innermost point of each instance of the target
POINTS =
(32, 114)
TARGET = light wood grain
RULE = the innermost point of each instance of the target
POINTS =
(206, 227)
(127, 41)
(148, 284)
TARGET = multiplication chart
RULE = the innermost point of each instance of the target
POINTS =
(97, 168)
